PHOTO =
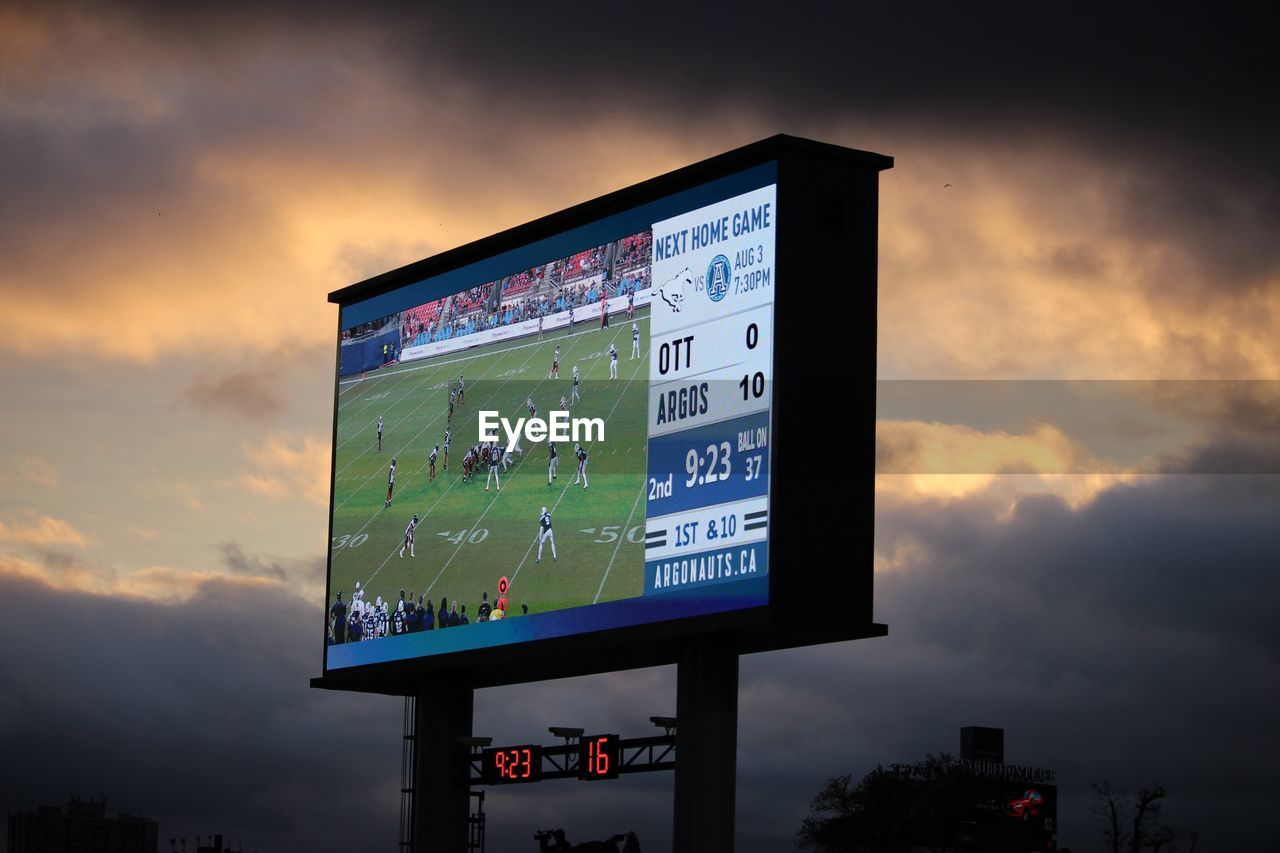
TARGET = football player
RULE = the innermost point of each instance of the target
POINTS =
(492, 454)
(580, 452)
(553, 460)
(545, 535)
(391, 480)
(408, 538)
(379, 433)
(448, 436)
(462, 392)
(635, 340)
(555, 364)
(573, 397)
(613, 362)
(431, 464)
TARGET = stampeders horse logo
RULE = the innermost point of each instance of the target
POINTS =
(718, 276)
(672, 290)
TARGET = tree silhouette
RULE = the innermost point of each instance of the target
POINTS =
(892, 810)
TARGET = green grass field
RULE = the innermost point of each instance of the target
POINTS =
(467, 537)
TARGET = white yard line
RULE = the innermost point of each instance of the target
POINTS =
(621, 536)
(495, 497)
(565, 490)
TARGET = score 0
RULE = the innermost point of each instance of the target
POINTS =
(598, 757)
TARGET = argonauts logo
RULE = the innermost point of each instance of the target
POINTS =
(718, 275)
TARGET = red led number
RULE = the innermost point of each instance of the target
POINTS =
(598, 756)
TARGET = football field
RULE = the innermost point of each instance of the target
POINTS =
(467, 537)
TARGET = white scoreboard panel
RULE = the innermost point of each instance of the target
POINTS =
(711, 391)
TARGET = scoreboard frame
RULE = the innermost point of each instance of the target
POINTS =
(821, 492)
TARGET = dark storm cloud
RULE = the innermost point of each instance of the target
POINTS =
(235, 559)
(246, 393)
(1131, 639)
(197, 714)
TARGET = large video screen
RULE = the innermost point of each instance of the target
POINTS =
(565, 438)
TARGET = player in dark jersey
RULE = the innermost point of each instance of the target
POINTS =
(555, 364)
(580, 452)
(379, 433)
(462, 392)
(553, 459)
(545, 534)
(453, 398)
(391, 480)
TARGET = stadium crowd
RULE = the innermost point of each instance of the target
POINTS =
(572, 282)
(364, 620)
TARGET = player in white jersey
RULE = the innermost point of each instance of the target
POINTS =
(613, 362)
(581, 453)
(493, 469)
(573, 396)
(408, 537)
(462, 391)
(545, 535)
(555, 364)
(553, 461)
(635, 340)
(563, 405)
(357, 601)
(391, 480)
(506, 458)
(379, 433)
(431, 464)
(448, 435)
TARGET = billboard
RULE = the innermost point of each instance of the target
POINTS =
(567, 432)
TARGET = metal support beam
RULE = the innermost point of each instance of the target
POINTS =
(441, 795)
(706, 771)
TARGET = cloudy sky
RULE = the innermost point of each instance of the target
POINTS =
(1081, 196)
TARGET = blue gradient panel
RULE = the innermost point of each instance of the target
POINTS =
(678, 604)
(737, 565)
(669, 454)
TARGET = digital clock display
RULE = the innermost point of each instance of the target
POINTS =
(598, 757)
(512, 764)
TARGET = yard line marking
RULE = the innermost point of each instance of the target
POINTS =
(565, 490)
(621, 536)
(495, 497)
(472, 528)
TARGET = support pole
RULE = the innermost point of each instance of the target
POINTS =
(441, 801)
(707, 741)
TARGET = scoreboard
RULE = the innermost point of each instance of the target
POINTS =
(678, 533)
(711, 378)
